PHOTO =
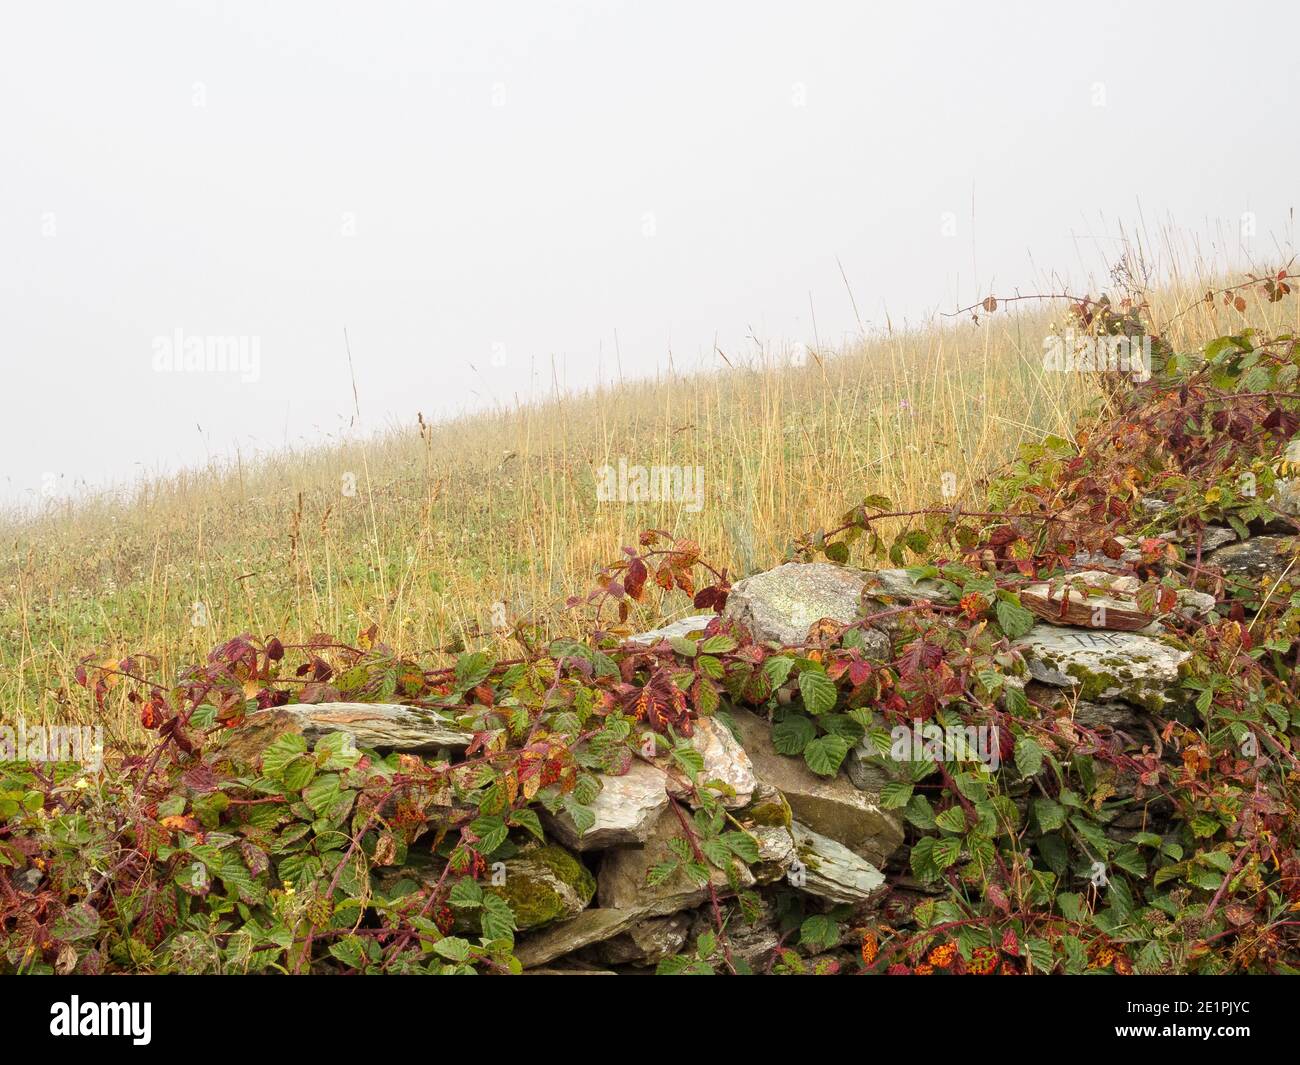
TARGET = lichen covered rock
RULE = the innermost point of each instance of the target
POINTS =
(1137, 668)
(781, 605)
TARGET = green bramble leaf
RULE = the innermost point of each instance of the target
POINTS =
(280, 752)
(498, 919)
(473, 669)
(1013, 619)
(793, 733)
(817, 690)
(825, 754)
(466, 894)
(453, 948)
(491, 831)
(946, 851)
(896, 794)
(1029, 756)
(952, 819)
(299, 772)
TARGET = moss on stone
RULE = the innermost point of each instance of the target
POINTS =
(771, 811)
(543, 885)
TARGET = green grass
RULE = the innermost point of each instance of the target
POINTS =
(447, 520)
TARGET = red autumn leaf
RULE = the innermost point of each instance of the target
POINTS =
(151, 715)
(919, 657)
(714, 597)
(1003, 535)
(634, 579)
(859, 671)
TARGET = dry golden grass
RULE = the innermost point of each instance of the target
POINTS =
(501, 507)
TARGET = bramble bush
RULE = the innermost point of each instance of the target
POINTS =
(205, 855)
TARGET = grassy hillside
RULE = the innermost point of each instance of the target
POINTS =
(421, 530)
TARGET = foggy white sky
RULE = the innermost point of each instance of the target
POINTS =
(453, 180)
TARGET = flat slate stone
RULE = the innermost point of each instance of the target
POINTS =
(647, 942)
(588, 927)
(626, 810)
(684, 627)
(830, 870)
(621, 883)
(1090, 599)
(379, 725)
(1212, 538)
(898, 584)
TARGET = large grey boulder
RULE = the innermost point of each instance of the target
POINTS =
(832, 807)
(1136, 668)
(626, 810)
(781, 605)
